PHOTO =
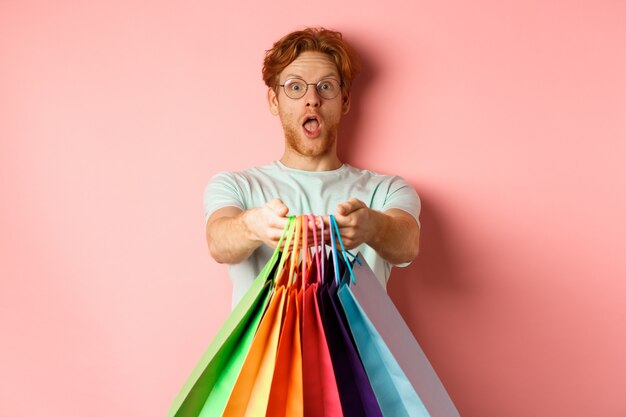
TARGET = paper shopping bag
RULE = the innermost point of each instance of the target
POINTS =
(208, 388)
(321, 397)
(211, 380)
(392, 388)
(401, 376)
(251, 393)
(286, 394)
(395, 338)
(355, 392)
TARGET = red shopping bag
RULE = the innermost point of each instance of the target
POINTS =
(321, 396)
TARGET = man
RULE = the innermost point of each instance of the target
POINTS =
(309, 74)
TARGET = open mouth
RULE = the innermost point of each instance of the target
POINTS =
(311, 126)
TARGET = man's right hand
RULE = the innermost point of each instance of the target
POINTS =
(266, 224)
(232, 234)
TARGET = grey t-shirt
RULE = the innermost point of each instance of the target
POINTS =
(306, 192)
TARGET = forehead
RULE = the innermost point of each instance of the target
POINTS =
(311, 65)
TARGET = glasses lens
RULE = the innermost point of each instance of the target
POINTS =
(328, 89)
(295, 88)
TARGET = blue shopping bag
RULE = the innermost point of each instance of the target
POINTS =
(403, 379)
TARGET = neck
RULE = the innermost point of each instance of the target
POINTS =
(304, 163)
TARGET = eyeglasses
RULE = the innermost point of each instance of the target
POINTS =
(327, 88)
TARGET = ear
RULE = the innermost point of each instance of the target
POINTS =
(272, 101)
(345, 102)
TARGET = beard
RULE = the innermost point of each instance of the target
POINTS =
(304, 146)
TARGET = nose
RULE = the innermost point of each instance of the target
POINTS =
(312, 97)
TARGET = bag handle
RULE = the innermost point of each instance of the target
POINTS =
(316, 255)
(295, 253)
(306, 256)
(333, 249)
(344, 252)
(288, 231)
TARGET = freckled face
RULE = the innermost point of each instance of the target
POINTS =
(310, 123)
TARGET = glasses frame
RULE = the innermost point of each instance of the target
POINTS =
(306, 87)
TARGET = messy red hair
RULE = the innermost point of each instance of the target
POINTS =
(329, 42)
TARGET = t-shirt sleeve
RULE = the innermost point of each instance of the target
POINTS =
(222, 191)
(402, 196)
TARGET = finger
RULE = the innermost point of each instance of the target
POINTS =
(343, 209)
(342, 220)
(312, 225)
(284, 247)
(319, 220)
(279, 223)
(318, 237)
(349, 245)
(274, 237)
(311, 243)
(349, 206)
(326, 221)
(278, 207)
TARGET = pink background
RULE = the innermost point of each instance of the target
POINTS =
(509, 118)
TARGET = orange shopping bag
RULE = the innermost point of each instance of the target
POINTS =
(286, 390)
(250, 396)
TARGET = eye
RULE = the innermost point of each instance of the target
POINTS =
(294, 85)
(326, 86)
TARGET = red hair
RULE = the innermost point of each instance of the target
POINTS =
(329, 42)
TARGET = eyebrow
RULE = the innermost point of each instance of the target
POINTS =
(328, 75)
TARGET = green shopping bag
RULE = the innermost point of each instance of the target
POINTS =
(207, 389)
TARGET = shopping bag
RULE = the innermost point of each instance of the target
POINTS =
(355, 392)
(208, 388)
(403, 379)
(251, 393)
(286, 393)
(321, 396)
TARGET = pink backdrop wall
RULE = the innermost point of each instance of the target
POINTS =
(508, 117)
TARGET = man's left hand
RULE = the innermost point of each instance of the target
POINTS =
(394, 234)
(356, 221)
